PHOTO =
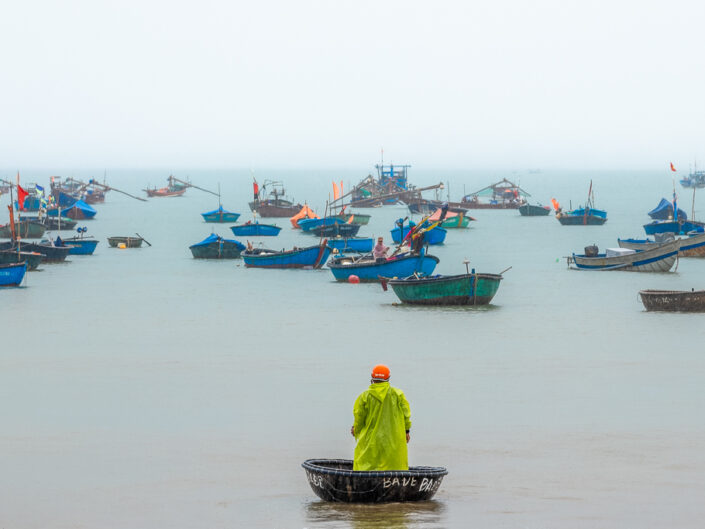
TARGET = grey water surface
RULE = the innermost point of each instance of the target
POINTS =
(141, 388)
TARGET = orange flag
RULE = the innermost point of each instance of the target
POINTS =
(336, 192)
(673, 168)
(555, 203)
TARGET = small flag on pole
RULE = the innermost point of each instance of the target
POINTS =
(673, 168)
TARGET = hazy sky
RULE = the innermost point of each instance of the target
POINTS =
(514, 84)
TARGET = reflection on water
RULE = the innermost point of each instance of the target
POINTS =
(444, 308)
(375, 516)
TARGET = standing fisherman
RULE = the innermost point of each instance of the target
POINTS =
(382, 423)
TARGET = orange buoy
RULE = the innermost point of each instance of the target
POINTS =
(353, 279)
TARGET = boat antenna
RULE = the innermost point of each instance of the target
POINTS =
(466, 262)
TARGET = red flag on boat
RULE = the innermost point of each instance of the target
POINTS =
(673, 168)
(555, 203)
(255, 187)
(21, 195)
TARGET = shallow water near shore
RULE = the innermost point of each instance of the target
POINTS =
(142, 388)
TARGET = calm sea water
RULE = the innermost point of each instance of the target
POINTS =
(143, 388)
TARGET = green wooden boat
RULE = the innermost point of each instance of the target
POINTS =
(460, 221)
(463, 289)
(25, 229)
(361, 219)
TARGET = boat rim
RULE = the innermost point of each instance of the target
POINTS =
(315, 465)
(440, 279)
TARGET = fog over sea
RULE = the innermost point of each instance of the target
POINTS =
(145, 389)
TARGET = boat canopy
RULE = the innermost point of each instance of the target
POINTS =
(504, 189)
(664, 211)
(87, 211)
(437, 215)
(217, 238)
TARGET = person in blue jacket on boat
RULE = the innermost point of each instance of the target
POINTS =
(382, 423)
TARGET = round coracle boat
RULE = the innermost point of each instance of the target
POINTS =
(335, 480)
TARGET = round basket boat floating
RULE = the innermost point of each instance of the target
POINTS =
(335, 480)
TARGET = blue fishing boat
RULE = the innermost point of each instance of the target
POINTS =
(352, 244)
(11, 275)
(435, 236)
(309, 257)
(255, 229)
(220, 215)
(677, 227)
(309, 224)
(81, 245)
(215, 247)
(79, 210)
(582, 216)
(367, 268)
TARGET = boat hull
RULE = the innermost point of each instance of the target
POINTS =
(216, 250)
(220, 217)
(659, 259)
(50, 254)
(580, 220)
(692, 246)
(352, 244)
(335, 480)
(80, 246)
(464, 289)
(673, 300)
(530, 210)
(367, 270)
(256, 230)
(11, 275)
(671, 226)
(165, 192)
(310, 257)
(362, 219)
(33, 259)
(25, 229)
(457, 222)
(129, 242)
(280, 208)
(336, 230)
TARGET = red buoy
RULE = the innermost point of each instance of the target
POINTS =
(353, 279)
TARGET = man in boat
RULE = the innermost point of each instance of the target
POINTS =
(380, 250)
(382, 424)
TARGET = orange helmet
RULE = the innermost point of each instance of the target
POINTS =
(380, 372)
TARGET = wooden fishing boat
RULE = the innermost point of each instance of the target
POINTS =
(307, 224)
(80, 245)
(129, 242)
(33, 259)
(215, 247)
(335, 480)
(691, 246)
(11, 275)
(435, 236)
(531, 210)
(463, 289)
(658, 259)
(79, 210)
(25, 229)
(220, 215)
(275, 204)
(673, 300)
(166, 191)
(582, 217)
(367, 268)
(357, 218)
(500, 195)
(352, 244)
(50, 252)
(336, 230)
(53, 223)
(255, 229)
(309, 257)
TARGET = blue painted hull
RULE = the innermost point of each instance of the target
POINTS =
(309, 224)
(256, 230)
(81, 246)
(222, 216)
(12, 275)
(435, 236)
(311, 257)
(352, 244)
(399, 267)
(670, 226)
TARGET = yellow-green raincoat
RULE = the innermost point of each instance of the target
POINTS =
(382, 416)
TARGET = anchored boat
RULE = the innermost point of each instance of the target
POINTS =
(11, 275)
(255, 229)
(658, 259)
(309, 257)
(463, 289)
(367, 268)
(335, 480)
(215, 247)
(673, 300)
